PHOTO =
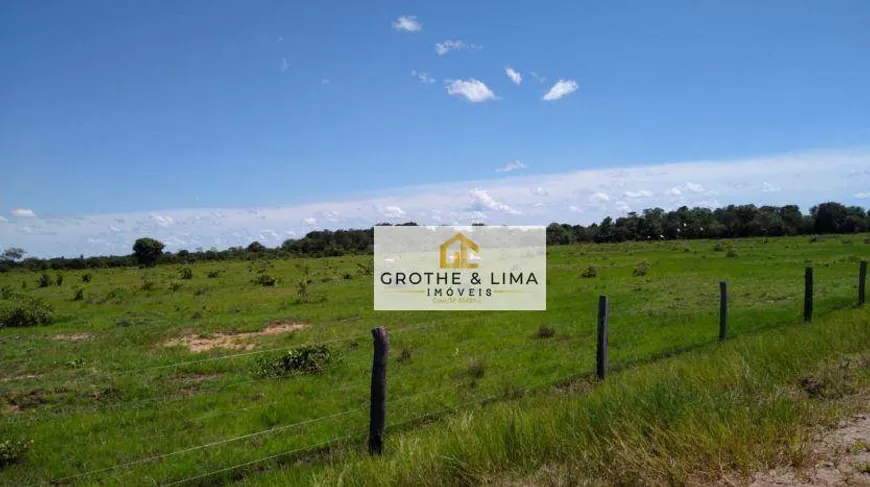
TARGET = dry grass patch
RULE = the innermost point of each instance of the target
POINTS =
(234, 341)
(72, 337)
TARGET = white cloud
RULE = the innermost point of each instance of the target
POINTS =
(423, 77)
(694, 187)
(392, 211)
(472, 90)
(538, 77)
(442, 48)
(638, 194)
(599, 198)
(539, 191)
(688, 187)
(512, 166)
(575, 209)
(675, 191)
(3, 220)
(482, 201)
(284, 64)
(408, 23)
(560, 89)
(162, 220)
(514, 76)
(310, 221)
(806, 178)
(279, 39)
(23, 213)
(769, 188)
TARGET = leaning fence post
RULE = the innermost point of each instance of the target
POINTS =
(723, 310)
(378, 414)
(862, 282)
(601, 353)
(808, 294)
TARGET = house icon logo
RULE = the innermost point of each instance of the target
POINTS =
(459, 259)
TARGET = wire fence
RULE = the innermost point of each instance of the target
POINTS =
(445, 386)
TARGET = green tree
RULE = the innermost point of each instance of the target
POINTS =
(256, 247)
(12, 254)
(147, 250)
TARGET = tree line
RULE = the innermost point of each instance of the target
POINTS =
(732, 221)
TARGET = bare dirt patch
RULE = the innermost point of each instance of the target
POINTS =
(235, 341)
(72, 337)
(841, 457)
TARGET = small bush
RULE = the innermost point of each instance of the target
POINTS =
(732, 253)
(11, 451)
(589, 272)
(86, 277)
(200, 290)
(148, 285)
(59, 280)
(302, 288)
(23, 284)
(719, 247)
(79, 294)
(347, 276)
(186, 273)
(545, 331)
(213, 274)
(44, 280)
(23, 310)
(264, 279)
(476, 368)
(307, 359)
(404, 356)
(175, 286)
(641, 269)
(6, 292)
(814, 239)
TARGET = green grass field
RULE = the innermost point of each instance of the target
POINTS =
(108, 399)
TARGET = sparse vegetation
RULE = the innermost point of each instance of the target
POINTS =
(307, 359)
(44, 280)
(21, 310)
(186, 273)
(12, 451)
(87, 276)
(641, 269)
(589, 272)
(545, 331)
(79, 293)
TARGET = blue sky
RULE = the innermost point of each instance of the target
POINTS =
(215, 123)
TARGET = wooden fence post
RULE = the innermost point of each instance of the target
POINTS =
(723, 310)
(601, 352)
(378, 413)
(808, 294)
(862, 283)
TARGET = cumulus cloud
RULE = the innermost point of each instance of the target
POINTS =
(423, 77)
(408, 23)
(575, 209)
(472, 90)
(23, 213)
(638, 194)
(560, 89)
(688, 187)
(442, 48)
(392, 211)
(769, 188)
(675, 191)
(514, 75)
(539, 191)
(482, 201)
(694, 187)
(806, 179)
(599, 197)
(162, 220)
(512, 166)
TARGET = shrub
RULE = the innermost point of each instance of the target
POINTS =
(732, 253)
(213, 274)
(404, 356)
(175, 286)
(23, 310)
(186, 273)
(86, 277)
(44, 280)
(79, 294)
(589, 272)
(347, 276)
(11, 451)
(264, 279)
(302, 288)
(200, 290)
(476, 368)
(719, 247)
(641, 269)
(23, 284)
(545, 331)
(6, 292)
(148, 285)
(59, 280)
(307, 359)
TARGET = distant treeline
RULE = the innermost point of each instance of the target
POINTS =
(733, 221)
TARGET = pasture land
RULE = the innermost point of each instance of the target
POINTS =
(154, 376)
